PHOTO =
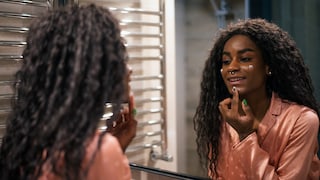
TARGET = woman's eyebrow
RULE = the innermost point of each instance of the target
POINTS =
(245, 50)
(239, 52)
(226, 53)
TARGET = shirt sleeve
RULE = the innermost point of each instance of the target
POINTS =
(110, 162)
(297, 161)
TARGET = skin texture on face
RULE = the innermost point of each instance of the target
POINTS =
(243, 67)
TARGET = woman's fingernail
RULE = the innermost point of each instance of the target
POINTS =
(134, 111)
(244, 101)
(234, 89)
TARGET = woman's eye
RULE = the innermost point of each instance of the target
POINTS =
(246, 59)
(226, 61)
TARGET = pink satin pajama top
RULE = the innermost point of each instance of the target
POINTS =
(284, 147)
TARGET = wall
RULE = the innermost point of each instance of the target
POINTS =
(196, 25)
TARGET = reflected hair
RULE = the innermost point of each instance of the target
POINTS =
(290, 79)
(74, 60)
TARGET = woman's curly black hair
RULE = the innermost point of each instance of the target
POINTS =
(74, 61)
(290, 79)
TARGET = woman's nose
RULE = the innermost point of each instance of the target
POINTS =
(234, 65)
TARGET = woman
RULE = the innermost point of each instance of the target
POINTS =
(257, 117)
(74, 62)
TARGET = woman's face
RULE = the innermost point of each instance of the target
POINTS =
(243, 66)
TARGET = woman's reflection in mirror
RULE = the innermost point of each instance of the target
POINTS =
(257, 117)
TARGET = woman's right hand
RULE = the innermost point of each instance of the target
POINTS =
(238, 115)
(126, 125)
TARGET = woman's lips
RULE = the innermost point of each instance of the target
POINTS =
(235, 80)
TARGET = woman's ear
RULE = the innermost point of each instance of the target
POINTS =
(268, 71)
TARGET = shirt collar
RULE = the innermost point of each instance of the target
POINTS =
(270, 117)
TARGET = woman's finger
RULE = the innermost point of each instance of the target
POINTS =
(249, 114)
(132, 108)
(235, 100)
(225, 104)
